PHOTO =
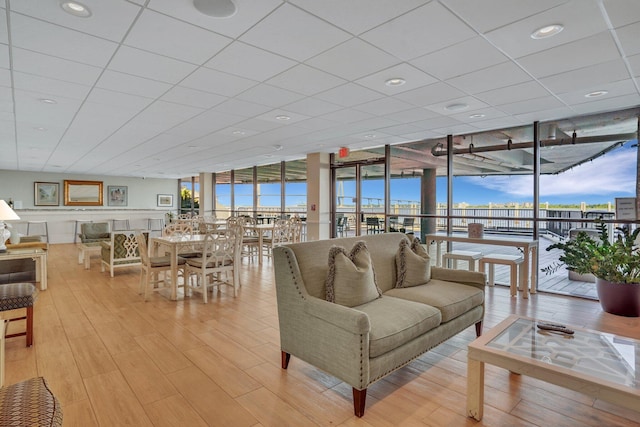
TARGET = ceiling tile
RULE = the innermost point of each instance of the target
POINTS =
(312, 107)
(531, 105)
(353, 59)
(411, 115)
(414, 78)
(580, 19)
(347, 115)
(505, 74)
(349, 95)
(609, 104)
(272, 116)
(55, 68)
(49, 39)
(192, 97)
(634, 62)
(166, 36)
(586, 77)
(4, 56)
(249, 62)
(248, 13)
(430, 94)
(149, 65)
(462, 58)
(306, 80)
(471, 103)
(5, 77)
(629, 37)
(383, 106)
(127, 83)
(241, 108)
(508, 94)
(217, 82)
(427, 29)
(294, 33)
(51, 87)
(109, 20)
(269, 95)
(490, 14)
(571, 56)
(615, 89)
(356, 16)
(622, 12)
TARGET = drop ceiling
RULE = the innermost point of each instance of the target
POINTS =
(156, 89)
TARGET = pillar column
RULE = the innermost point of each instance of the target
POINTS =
(428, 205)
(205, 193)
(318, 196)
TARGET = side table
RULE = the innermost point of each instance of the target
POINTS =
(85, 250)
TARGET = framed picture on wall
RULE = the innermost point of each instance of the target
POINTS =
(117, 195)
(165, 200)
(46, 194)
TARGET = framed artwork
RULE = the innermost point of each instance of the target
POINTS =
(165, 200)
(117, 195)
(46, 194)
(82, 193)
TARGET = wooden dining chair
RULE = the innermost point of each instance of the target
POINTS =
(151, 268)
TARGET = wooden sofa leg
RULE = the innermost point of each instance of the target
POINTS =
(29, 332)
(359, 400)
(479, 328)
(285, 360)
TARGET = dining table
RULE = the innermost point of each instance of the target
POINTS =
(173, 244)
(529, 248)
(261, 230)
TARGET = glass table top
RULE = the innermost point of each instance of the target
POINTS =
(601, 355)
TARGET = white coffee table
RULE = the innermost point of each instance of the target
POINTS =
(85, 250)
(594, 363)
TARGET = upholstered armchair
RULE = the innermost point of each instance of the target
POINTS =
(121, 250)
(94, 232)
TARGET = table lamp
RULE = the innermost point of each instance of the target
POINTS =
(6, 213)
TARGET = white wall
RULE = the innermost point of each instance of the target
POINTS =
(142, 201)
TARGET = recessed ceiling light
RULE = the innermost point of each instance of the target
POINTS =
(596, 93)
(476, 116)
(395, 81)
(48, 101)
(237, 132)
(283, 117)
(76, 9)
(278, 147)
(370, 136)
(456, 107)
(216, 8)
(547, 31)
(40, 128)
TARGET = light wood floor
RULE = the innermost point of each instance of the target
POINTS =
(114, 360)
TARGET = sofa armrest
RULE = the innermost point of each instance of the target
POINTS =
(349, 319)
(471, 278)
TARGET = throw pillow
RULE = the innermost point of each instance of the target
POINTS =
(351, 279)
(413, 264)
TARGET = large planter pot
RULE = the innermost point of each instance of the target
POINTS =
(622, 299)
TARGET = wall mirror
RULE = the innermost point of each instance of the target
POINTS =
(82, 193)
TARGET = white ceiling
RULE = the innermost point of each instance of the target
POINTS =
(154, 88)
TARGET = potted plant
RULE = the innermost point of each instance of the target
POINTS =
(616, 266)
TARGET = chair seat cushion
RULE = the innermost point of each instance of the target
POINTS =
(197, 262)
(17, 295)
(396, 321)
(164, 261)
(452, 299)
(29, 403)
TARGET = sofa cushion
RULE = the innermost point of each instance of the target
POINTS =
(396, 321)
(413, 264)
(94, 236)
(350, 279)
(452, 299)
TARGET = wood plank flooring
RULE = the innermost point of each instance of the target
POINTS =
(114, 360)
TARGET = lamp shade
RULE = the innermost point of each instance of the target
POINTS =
(6, 213)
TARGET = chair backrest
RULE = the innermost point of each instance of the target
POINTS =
(281, 233)
(124, 245)
(408, 222)
(90, 228)
(143, 249)
(221, 249)
(372, 221)
(177, 228)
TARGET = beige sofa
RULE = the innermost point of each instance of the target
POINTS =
(362, 344)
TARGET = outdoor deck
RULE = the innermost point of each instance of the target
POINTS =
(558, 282)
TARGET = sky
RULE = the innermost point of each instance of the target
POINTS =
(595, 182)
